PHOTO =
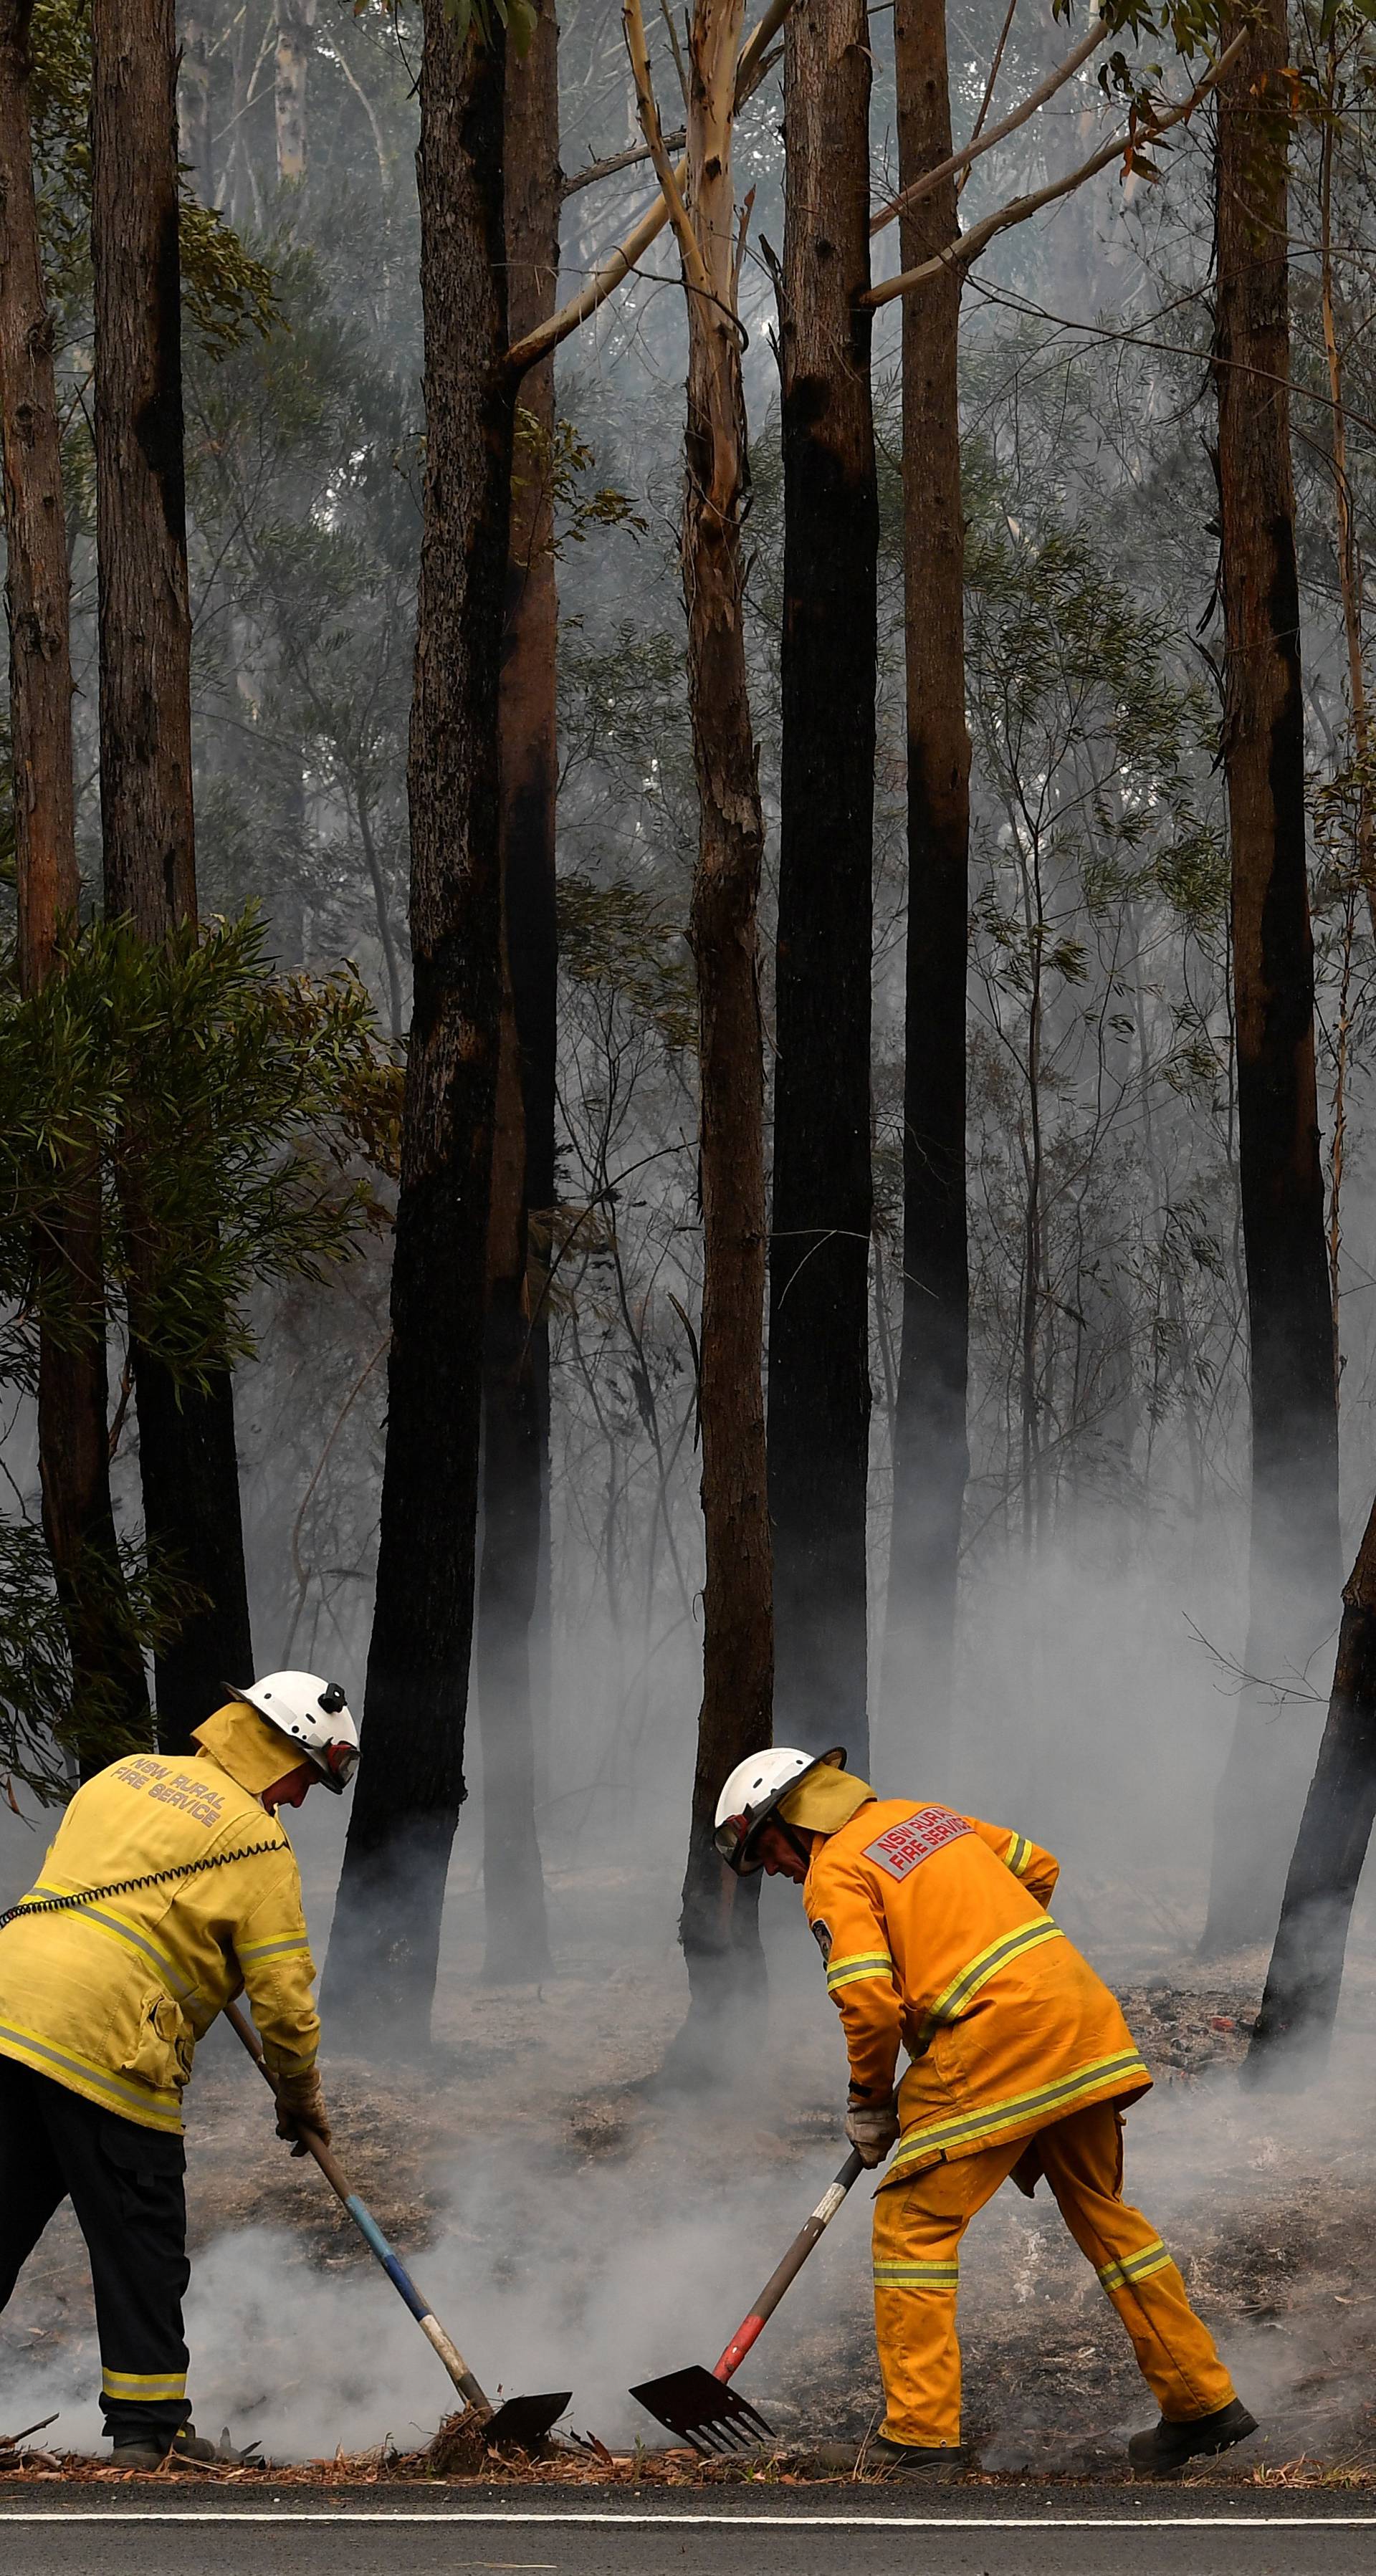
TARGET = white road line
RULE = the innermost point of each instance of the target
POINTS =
(755, 2521)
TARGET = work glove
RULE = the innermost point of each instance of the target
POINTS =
(301, 2105)
(872, 2127)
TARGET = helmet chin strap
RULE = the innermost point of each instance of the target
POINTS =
(793, 1836)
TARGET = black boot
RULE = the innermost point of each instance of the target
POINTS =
(1168, 2445)
(883, 2458)
(136, 2450)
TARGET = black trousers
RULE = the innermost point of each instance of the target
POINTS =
(126, 2186)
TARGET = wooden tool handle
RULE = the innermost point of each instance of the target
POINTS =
(331, 2169)
(792, 2264)
(468, 2386)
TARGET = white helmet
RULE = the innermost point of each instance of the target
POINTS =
(751, 1794)
(314, 1714)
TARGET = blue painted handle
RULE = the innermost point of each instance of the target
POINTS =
(391, 2263)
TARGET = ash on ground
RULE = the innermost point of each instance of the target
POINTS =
(577, 2225)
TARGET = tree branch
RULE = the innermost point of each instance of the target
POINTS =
(978, 145)
(750, 71)
(959, 253)
(695, 268)
(995, 68)
(598, 170)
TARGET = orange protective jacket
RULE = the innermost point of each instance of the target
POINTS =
(935, 1933)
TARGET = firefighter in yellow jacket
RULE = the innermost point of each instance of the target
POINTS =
(935, 1934)
(187, 1893)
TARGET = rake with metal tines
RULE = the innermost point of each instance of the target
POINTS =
(699, 2403)
(519, 2423)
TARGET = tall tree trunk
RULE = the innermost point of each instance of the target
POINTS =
(720, 1920)
(1300, 2004)
(193, 103)
(385, 1945)
(516, 1377)
(186, 1437)
(1295, 1564)
(109, 1696)
(931, 1453)
(295, 45)
(819, 1377)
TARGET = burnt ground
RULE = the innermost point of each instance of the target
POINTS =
(562, 2210)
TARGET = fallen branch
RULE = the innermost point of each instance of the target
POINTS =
(967, 246)
(11, 2441)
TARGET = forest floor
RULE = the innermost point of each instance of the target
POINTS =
(564, 2213)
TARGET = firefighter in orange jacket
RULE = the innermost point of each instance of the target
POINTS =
(935, 1934)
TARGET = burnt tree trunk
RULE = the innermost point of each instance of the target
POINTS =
(385, 1945)
(819, 1379)
(1295, 1563)
(187, 1456)
(1300, 2003)
(931, 1454)
(719, 1927)
(109, 1695)
(295, 45)
(511, 1584)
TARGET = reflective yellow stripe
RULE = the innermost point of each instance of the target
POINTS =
(1018, 1854)
(145, 2103)
(917, 2276)
(116, 1929)
(861, 1964)
(273, 1949)
(982, 1967)
(143, 2384)
(1024, 2110)
(1135, 2267)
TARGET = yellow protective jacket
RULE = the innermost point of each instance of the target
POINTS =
(110, 1998)
(935, 1934)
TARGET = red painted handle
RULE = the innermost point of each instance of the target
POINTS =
(737, 2348)
(790, 2267)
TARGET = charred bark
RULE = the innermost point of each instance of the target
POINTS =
(187, 1457)
(719, 1926)
(512, 1586)
(295, 45)
(515, 1458)
(109, 1694)
(931, 1453)
(1300, 2004)
(385, 1946)
(819, 1380)
(1294, 1561)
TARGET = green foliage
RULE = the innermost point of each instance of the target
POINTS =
(623, 939)
(226, 1113)
(478, 18)
(225, 1110)
(564, 463)
(228, 292)
(43, 1741)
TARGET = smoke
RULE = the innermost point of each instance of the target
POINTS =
(551, 2274)
(572, 2230)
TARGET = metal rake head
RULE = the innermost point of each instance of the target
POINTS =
(704, 2410)
(521, 2423)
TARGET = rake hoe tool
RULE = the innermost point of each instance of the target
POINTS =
(519, 2423)
(699, 2403)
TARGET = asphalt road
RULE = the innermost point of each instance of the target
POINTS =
(1131, 2531)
